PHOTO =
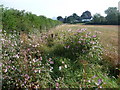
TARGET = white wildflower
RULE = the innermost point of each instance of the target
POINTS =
(60, 67)
(65, 66)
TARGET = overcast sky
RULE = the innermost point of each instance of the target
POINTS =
(54, 8)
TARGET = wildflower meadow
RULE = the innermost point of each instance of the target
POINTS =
(38, 52)
(54, 59)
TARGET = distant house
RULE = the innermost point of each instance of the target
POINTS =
(86, 20)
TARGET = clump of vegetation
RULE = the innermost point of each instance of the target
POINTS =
(16, 20)
(79, 44)
(74, 18)
(58, 59)
(111, 18)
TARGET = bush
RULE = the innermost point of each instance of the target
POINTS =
(16, 20)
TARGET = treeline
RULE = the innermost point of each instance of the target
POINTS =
(16, 20)
(74, 18)
(112, 17)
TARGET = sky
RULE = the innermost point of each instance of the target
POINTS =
(54, 8)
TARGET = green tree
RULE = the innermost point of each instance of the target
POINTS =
(71, 19)
(112, 15)
(76, 16)
(60, 18)
(98, 19)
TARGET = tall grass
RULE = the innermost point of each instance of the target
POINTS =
(64, 57)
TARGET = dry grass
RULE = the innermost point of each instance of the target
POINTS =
(108, 38)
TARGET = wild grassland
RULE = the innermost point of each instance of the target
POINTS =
(68, 56)
(108, 35)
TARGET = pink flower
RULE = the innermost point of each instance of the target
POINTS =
(57, 85)
(8, 66)
(99, 81)
(27, 77)
(94, 76)
(51, 62)
(79, 41)
(40, 58)
(5, 70)
(28, 49)
(94, 36)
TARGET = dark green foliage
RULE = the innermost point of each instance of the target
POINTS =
(98, 19)
(60, 18)
(74, 18)
(16, 20)
(112, 17)
(86, 15)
